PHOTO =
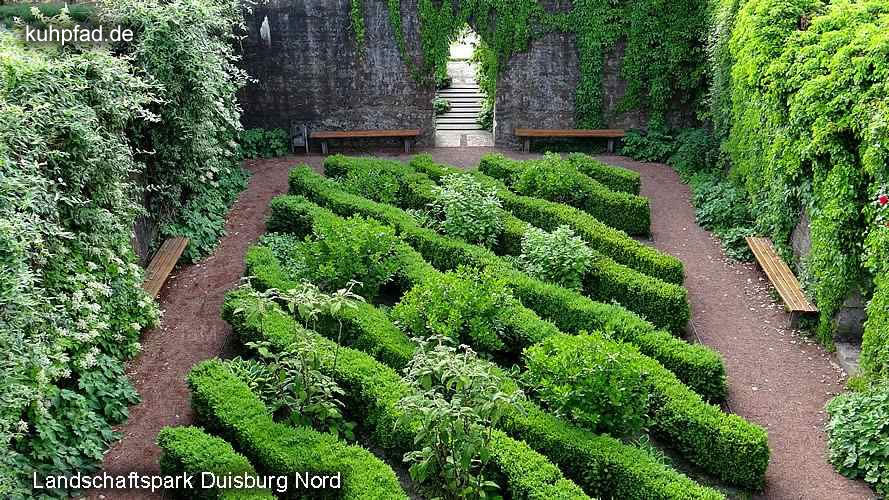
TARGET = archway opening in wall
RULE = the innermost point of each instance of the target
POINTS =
(465, 95)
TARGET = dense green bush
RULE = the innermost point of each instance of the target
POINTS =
(558, 257)
(601, 390)
(556, 180)
(467, 210)
(190, 450)
(71, 303)
(700, 367)
(722, 208)
(724, 445)
(614, 178)
(464, 306)
(373, 393)
(549, 216)
(652, 145)
(441, 106)
(225, 405)
(858, 432)
(263, 143)
(603, 465)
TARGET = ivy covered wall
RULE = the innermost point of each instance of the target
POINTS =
(561, 63)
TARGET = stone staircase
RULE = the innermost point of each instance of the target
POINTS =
(466, 101)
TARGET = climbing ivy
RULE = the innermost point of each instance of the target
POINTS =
(663, 59)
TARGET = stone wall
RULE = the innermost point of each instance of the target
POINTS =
(311, 73)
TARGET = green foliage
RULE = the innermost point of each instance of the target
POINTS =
(556, 180)
(722, 208)
(458, 403)
(724, 445)
(71, 303)
(559, 257)
(464, 306)
(614, 178)
(601, 391)
(226, 406)
(858, 432)
(487, 68)
(700, 367)
(263, 143)
(191, 155)
(441, 106)
(373, 392)
(356, 12)
(467, 210)
(647, 146)
(190, 450)
(80, 13)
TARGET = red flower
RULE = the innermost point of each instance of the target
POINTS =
(883, 200)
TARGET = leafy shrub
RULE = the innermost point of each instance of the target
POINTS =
(603, 391)
(647, 146)
(614, 178)
(378, 184)
(225, 405)
(858, 432)
(721, 207)
(697, 150)
(441, 106)
(464, 306)
(343, 250)
(263, 143)
(458, 402)
(467, 210)
(558, 257)
(191, 450)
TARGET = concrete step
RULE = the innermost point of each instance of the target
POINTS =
(470, 121)
(475, 102)
(466, 90)
(451, 126)
(462, 95)
(459, 114)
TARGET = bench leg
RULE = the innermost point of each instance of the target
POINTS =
(611, 145)
(526, 145)
(407, 146)
(324, 148)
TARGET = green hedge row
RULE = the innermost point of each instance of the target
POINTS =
(724, 445)
(699, 367)
(372, 394)
(563, 183)
(549, 216)
(603, 465)
(192, 451)
(614, 178)
(227, 406)
(665, 304)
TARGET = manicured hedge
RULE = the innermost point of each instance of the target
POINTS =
(549, 216)
(665, 304)
(614, 178)
(192, 451)
(603, 465)
(372, 394)
(227, 406)
(700, 367)
(724, 445)
(561, 182)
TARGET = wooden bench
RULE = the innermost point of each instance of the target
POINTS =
(162, 263)
(326, 135)
(782, 278)
(527, 133)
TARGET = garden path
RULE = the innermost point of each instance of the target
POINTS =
(776, 378)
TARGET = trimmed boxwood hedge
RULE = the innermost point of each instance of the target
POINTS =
(227, 406)
(563, 183)
(603, 465)
(614, 178)
(665, 304)
(724, 445)
(192, 451)
(702, 366)
(549, 215)
(372, 394)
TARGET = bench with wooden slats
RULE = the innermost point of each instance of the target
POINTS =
(528, 133)
(325, 135)
(162, 263)
(781, 277)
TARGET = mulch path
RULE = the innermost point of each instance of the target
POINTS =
(777, 378)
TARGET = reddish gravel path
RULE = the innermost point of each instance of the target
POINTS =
(776, 378)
